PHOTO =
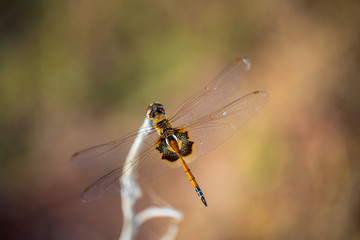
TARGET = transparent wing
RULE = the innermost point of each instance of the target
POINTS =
(144, 168)
(113, 153)
(214, 129)
(206, 130)
(214, 95)
(207, 133)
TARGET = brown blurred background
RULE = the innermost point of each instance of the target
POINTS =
(78, 73)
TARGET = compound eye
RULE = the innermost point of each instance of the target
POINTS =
(161, 109)
(150, 112)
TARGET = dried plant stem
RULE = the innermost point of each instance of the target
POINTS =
(131, 220)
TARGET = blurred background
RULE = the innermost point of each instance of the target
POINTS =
(79, 73)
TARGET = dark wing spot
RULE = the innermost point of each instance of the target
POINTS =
(164, 149)
(186, 145)
(170, 155)
(186, 148)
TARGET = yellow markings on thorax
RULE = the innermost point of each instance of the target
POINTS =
(157, 120)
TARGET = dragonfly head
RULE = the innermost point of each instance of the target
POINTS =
(155, 110)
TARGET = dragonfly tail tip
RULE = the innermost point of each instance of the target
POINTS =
(204, 201)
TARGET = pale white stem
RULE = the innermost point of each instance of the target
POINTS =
(154, 212)
(131, 192)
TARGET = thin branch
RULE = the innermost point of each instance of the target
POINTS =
(131, 192)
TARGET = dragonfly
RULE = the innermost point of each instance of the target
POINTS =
(195, 128)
